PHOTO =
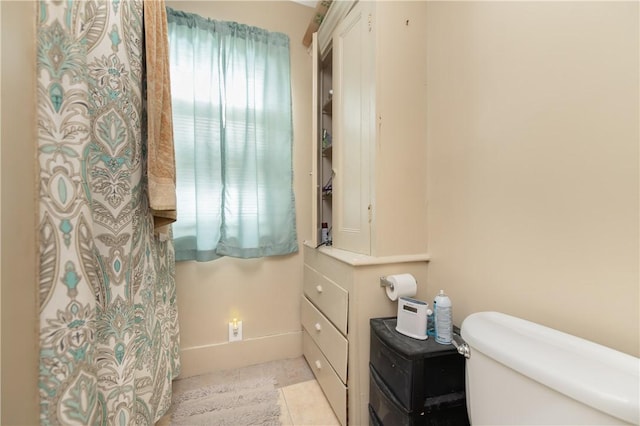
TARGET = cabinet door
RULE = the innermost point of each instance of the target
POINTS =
(315, 185)
(353, 79)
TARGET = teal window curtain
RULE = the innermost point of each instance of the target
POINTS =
(231, 95)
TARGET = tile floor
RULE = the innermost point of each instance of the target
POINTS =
(301, 400)
(304, 404)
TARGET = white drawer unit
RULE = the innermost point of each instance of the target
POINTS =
(324, 316)
(341, 293)
(329, 340)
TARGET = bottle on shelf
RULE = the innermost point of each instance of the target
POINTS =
(325, 233)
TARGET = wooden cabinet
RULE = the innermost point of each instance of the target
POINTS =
(369, 62)
(377, 166)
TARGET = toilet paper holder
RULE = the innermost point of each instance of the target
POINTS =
(400, 285)
(385, 283)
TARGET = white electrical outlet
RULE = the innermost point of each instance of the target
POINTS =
(235, 330)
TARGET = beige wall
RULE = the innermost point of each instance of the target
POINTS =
(19, 338)
(263, 293)
(533, 175)
(533, 163)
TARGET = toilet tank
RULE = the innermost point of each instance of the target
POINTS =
(520, 372)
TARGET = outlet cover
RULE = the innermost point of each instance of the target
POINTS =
(235, 335)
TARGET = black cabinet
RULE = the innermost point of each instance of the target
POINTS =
(414, 382)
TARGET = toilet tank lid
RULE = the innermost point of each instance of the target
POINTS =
(593, 374)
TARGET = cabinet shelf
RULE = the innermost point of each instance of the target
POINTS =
(323, 144)
(327, 190)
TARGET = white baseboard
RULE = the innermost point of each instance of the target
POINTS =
(223, 356)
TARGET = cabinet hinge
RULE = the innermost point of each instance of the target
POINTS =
(370, 210)
(370, 22)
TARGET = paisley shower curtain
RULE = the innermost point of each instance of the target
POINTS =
(108, 318)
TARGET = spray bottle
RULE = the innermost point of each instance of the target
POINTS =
(443, 318)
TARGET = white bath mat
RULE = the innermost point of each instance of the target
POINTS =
(242, 403)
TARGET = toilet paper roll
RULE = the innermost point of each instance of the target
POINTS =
(404, 285)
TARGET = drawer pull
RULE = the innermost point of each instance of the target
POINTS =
(318, 365)
(318, 327)
(319, 288)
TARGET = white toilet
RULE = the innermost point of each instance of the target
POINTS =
(519, 372)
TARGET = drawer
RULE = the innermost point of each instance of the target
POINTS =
(331, 299)
(444, 410)
(332, 386)
(398, 373)
(388, 410)
(332, 344)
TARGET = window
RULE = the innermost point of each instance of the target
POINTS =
(231, 96)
